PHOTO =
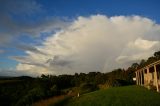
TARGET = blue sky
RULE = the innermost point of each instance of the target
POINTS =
(25, 24)
(73, 8)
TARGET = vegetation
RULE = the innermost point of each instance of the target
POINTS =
(22, 91)
(118, 96)
(150, 60)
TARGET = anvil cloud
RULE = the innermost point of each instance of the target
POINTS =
(93, 43)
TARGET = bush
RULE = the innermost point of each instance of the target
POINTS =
(116, 82)
(53, 91)
(112, 83)
(32, 96)
(87, 87)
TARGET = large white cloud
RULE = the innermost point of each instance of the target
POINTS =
(94, 43)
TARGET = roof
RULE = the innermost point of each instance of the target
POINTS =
(150, 65)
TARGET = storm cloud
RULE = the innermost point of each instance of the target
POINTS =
(94, 43)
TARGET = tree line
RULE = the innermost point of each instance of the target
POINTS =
(24, 90)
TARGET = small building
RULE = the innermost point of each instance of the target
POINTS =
(149, 76)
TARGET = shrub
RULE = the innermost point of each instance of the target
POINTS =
(112, 83)
(32, 96)
(87, 87)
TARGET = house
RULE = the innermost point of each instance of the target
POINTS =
(149, 76)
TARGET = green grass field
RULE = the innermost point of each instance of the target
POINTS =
(118, 96)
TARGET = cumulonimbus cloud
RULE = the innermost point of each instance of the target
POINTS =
(94, 43)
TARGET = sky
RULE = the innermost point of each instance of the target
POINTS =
(73, 36)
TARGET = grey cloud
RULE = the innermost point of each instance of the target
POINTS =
(11, 72)
(27, 60)
(23, 24)
(36, 64)
(102, 44)
(27, 47)
(26, 7)
(59, 61)
(22, 59)
(2, 51)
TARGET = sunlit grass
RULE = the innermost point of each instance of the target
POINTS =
(118, 96)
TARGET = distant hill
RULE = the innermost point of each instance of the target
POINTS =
(9, 80)
(5, 77)
(11, 77)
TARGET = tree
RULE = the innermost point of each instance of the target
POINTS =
(142, 63)
(134, 65)
(157, 55)
(151, 60)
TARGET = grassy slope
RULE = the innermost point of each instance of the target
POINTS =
(118, 96)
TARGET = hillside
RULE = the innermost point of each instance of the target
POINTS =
(118, 96)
